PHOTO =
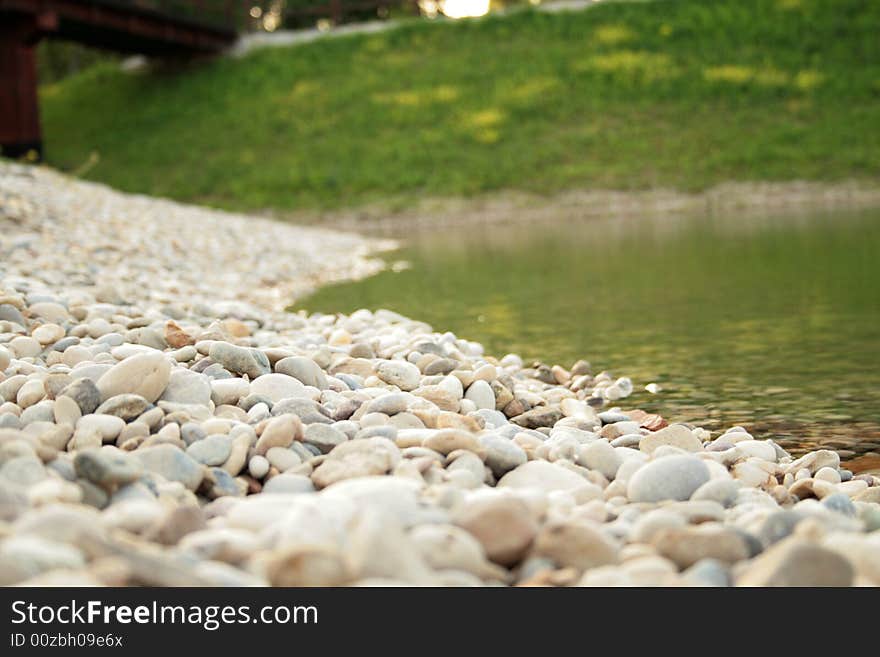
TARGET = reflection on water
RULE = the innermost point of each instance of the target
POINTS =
(773, 322)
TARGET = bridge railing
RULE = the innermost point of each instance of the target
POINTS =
(254, 15)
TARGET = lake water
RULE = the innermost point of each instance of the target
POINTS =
(771, 322)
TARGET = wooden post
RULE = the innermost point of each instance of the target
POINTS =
(336, 11)
(19, 109)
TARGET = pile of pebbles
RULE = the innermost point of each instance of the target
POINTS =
(152, 436)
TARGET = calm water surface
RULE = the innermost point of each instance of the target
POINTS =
(770, 322)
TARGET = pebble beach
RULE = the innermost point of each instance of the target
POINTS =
(165, 422)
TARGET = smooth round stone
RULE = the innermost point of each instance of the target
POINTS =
(12, 314)
(389, 432)
(675, 435)
(324, 437)
(288, 483)
(48, 333)
(187, 387)
(828, 474)
(172, 463)
(125, 406)
(390, 404)
(107, 426)
(840, 503)
(145, 374)
(66, 411)
(283, 458)
(708, 572)
(612, 417)
(28, 556)
(542, 475)
(668, 478)
(279, 432)
(575, 544)
(654, 521)
(761, 449)
(5, 358)
(305, 370)
(502, 454)
(229, 391)
(723, 491)
(480, 393)
(685, 546)
(446, 441)
(240, 360)
(211, 451)
(258, 466)
(30, 393)
(307, 410)
(25, 347)
(600, 455)
(277, 387)
(402, 374)
(107, 468)
(221, 484)
(797, 563)
(502, 524)
(40, 412)
(23, 471)
(64, 343)
(85, 393)
(357, 458)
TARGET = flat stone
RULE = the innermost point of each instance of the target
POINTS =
(723, 491)
(277, 387)
(172, 463)
(23, 471)
(797, 562)
(282, 458)
(144, 374)
(107, 467)
(85, 393)
(125, 406)
(685, 546)
(240, 360)
(357, 458)
(289, 483)
(188, 387)
(281, 431)
(502, 454)
(108, 427)
(390, 404)
(575, 544)
(543, 416)
(324, 437)
(400, 373)
(676, 435)
(542, 475)
(446, 441)
(308, 411)
(305, 370)
(503, 525)
(211, 451)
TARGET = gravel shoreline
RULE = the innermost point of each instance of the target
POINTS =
(164, 422)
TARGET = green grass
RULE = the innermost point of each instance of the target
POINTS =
(680, 93)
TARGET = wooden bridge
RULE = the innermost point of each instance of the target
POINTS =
(149, 27)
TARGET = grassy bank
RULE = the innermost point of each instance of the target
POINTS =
(681, 93)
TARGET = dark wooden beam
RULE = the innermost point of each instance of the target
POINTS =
(19, 110)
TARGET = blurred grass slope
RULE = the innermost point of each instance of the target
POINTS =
(681, 93)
